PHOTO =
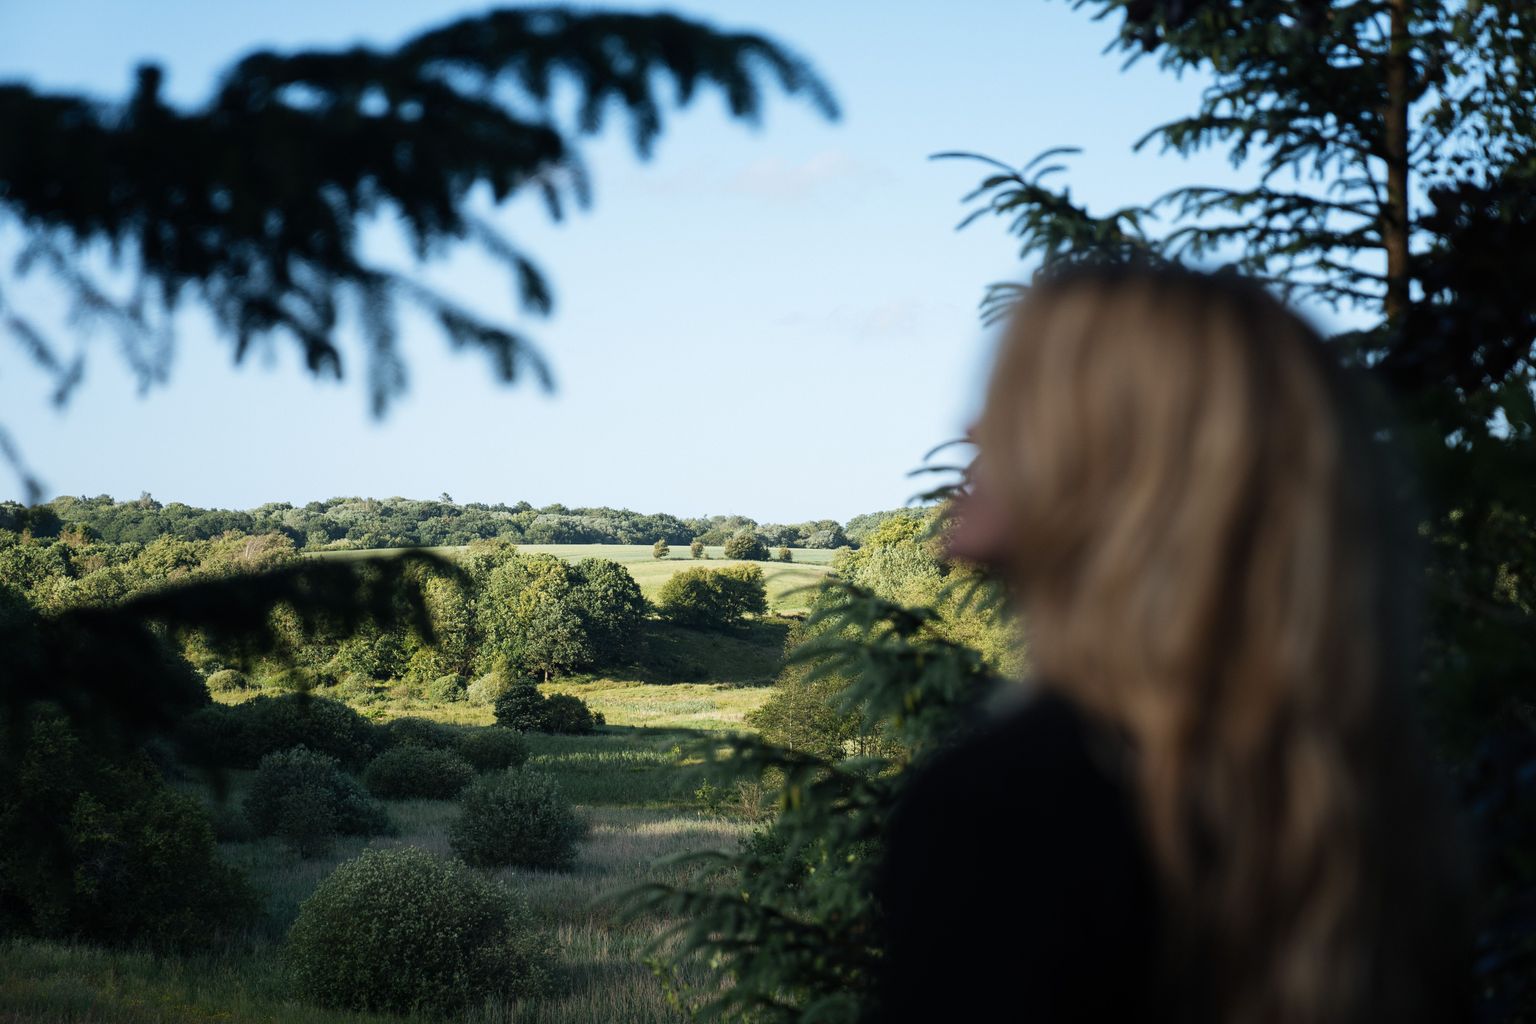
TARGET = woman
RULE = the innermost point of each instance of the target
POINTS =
(1214, 807)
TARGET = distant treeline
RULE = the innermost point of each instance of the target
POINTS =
(404, 522)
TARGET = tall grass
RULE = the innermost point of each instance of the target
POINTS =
(631, 780)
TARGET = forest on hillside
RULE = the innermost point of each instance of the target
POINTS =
(343, 523)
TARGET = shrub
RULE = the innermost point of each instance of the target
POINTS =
(696, 549)
(307, 821)
(227, 680)
(714, 598)
(660, 549)
(291, 784)
(519, 818)
(101, 849)
(568, 715)
(746, 546)
(525, 709)
(493, 749)
(786, 555)
(449, 689)
(487, 688)
(239, 736)
(521, 708)
(402, 931)
(420, 732)
(418, 772)
(741, 592)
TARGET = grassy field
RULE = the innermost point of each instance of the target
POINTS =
(790, 584)
(632, 780)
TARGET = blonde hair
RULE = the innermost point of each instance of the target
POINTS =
(1200, 562)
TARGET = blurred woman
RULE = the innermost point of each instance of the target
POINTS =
(1215, 806)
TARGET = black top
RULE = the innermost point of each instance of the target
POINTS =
(1017, 883)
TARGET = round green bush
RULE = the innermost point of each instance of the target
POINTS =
(519, 818)
(449, 689)
(494, 748)
(402, 931)
(303, 796)
(569, 715)
(240, 735)
(420, 732)
(525, 709)
(412, 772)
(227, 680)
(521, 707)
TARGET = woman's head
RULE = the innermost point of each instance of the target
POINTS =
(1171, 477)
(1164, 455)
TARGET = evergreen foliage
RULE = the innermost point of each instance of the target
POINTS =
(788, 918)
(1395, 145)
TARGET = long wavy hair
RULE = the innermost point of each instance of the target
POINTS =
(1203, 551)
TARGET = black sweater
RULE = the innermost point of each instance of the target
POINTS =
(1017, 884)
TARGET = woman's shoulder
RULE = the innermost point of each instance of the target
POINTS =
(1026, 828)
(1044, 753)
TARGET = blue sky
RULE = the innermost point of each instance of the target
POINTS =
(777, 322)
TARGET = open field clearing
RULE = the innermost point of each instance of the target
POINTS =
(790, 585)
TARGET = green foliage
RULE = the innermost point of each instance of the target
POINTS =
(412, 772)
(227, 680)
(488, 688)
(785, 555)
(789, 918)
(274, 530)
(402, 931)
(612, 609)
(493, 749)
(521, 708)
(660, 549)
(449, 689)
(902, 560)
(860, 526)
(747, 546)
(544, 616)
(567, 714)
(806, 716)
(99, 849)
(306, 789)
(420, 732)
(713, 598)
(516, 818)
(1412, 123)
(525, 709)
(307, 821)
(696, 548)
(239, 736)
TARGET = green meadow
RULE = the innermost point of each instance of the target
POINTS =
(631, 779)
